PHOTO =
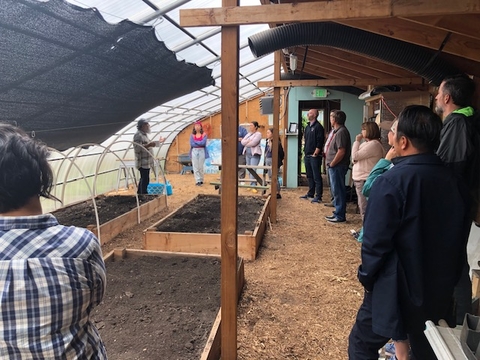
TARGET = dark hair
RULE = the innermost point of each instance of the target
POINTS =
(460, 88)
(255, 123)
(372, 131)
(24, 169)
(194, 132)
(340, 116)
(421, 126)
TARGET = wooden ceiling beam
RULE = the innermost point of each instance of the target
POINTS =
(365, 61)
(323, 11)
(422, 35)
(316, 66)
(466, 25)
(314, 54)
(342, 82)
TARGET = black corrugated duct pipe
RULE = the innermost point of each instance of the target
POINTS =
(414, 58)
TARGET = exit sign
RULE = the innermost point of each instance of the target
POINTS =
(320, 93)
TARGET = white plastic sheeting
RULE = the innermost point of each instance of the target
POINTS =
(201, 46)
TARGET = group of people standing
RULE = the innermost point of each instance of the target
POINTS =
(414, 264)
(417, 201)
(250, 152)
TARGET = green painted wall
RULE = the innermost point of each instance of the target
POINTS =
(350, 104)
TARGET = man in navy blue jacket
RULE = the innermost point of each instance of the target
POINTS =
(414, 241)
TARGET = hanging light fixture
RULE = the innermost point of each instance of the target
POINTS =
(293, 62)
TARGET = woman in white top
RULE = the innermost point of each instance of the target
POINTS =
(365, 154)
(252, 149)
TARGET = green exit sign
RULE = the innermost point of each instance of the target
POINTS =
(320, 93)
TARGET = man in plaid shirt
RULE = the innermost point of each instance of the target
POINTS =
(143, 156)
(51, 276)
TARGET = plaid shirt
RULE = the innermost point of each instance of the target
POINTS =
(51, 277)
(143, 158)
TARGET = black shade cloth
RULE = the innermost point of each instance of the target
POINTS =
(69, 78)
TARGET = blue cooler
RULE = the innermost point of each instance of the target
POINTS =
(155, 188)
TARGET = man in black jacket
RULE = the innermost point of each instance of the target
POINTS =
(459, 151)
(413, 244)
(314, 137)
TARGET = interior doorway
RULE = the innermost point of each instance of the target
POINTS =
(324, 107)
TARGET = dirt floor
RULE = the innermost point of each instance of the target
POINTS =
(301, 293)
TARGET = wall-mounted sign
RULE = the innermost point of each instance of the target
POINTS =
(320, 93)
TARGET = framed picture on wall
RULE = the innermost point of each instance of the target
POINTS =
(293, 128)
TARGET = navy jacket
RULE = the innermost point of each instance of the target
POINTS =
(414, 243)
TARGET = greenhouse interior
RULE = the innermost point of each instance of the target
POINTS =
(79, 75)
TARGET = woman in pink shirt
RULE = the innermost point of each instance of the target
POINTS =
(365, 154)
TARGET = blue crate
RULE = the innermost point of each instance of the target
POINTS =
(155, 188)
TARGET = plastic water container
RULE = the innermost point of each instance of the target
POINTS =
(169, 188)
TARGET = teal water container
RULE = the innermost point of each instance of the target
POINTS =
(169, 188)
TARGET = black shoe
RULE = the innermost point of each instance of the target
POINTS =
(336, 220)
(306, 197)
(279, 196)
(201, 182)
(316, 200)
(330, 217)
(198, 184)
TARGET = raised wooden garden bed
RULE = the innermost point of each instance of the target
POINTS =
(162, 305)
(195, 227)
(83, 214)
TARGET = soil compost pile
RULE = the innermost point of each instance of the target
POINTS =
(158, 307)
(108, 207)
(202, 215)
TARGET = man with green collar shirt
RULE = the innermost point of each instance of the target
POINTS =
(458, 151)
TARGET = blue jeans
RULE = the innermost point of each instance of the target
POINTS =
(314, 176)
(251, 160)
(337, 186)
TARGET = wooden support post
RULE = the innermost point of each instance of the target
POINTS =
(229, 240)
(276, 137)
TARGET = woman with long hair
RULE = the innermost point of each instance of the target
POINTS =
(198, 151)
(268, 157)
(252, 148)
(366, 151)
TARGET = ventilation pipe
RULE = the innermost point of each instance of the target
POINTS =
(414, 58)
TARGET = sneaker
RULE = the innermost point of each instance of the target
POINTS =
(330, 217)
(330, 204)
(355, 234)
(279, 196)
(316, 200)
(306, 196)
(390, 349)
(336, 220)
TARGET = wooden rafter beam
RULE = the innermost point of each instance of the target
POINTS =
(342, 82)
(324, 59)
(422, 35)
(465, 25)
(323, 11)
(390, 70)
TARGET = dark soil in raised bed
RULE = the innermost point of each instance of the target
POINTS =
(202, 215)
(108, 207)
(158, 307)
